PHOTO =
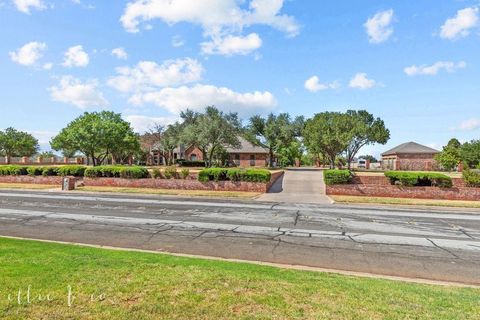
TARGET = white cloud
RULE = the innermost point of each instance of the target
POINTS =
(76, 57)
(199, 96)
(212, 15)
(142, 124)
(29, 54)
(25, 5)
(120, 53)
(232, 45)
(469, 125)
(435, 68)
(177, 42)
(313, 85)
(379, 26)
(460, 25)
(361, 81)
(73, 91)
(218, 18)
(148, 75)
(47, 66)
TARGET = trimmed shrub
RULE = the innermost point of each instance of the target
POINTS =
(472, 178)
(335, 176)
(76, 171)
(50, 171)
(170, 172)
(187, 163)
(222, 174)
(13, 170)
(419, 179)
(156, 174)
(117, 172)
(184, 173)
(35, 171)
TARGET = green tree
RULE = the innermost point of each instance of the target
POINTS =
(369, 157)
(328, 134)
(14, 143)
(365, 130)
(98, 135)
(450, 156)
(274, 132)
(470, 153)
(211, 131)
(288, 154)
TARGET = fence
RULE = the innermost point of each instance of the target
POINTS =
(41, 160)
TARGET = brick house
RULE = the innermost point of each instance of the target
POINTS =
(410, 156)
(248, 155)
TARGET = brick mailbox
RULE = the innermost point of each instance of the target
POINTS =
(68, 183)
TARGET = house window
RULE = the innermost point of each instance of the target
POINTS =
(252, 160)
(193, 157)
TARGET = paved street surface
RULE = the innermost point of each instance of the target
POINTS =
(424, 243)
(298, 185)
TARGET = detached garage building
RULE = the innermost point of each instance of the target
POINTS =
(410, 156)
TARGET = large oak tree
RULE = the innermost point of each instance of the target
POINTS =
(14, 143)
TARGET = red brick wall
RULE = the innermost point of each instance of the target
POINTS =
(176, 184)
(32, 180)
(195, 151)
(456, 193)
(379, 186)
(260, 160)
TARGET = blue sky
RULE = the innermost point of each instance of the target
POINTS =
(414, 64)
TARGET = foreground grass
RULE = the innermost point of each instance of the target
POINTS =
(403, 201)
(27, 186)
(190, 193)
(108, 284)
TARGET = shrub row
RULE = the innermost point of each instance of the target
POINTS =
(419, 179)
(472, 178)
(335, 176)
(76, 171)
(117, 172)
(223, 174)
(188, 163)
(170, 172)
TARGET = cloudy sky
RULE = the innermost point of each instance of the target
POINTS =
(415, 64)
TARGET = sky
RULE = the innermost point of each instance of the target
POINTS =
(414, 64)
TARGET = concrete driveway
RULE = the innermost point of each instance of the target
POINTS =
(299, 185)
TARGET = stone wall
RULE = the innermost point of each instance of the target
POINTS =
(379, 186)
(32, 180)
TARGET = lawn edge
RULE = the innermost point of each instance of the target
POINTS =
(419, 281)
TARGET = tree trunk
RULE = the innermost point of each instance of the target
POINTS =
(270, 151)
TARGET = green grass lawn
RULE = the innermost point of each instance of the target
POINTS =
(135, 285)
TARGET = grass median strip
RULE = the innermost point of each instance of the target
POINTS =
(176, 192)
(403, 201)
(105, 284)
(27, 186)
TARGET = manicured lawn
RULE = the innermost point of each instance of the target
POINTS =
(175, 192)
(402, 201)
(26, 186)
(133, 285)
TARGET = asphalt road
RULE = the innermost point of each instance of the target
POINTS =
(431, 244)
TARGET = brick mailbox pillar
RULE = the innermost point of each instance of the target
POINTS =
(68, 183)
(297, 163)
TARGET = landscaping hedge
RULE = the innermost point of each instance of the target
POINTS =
(76, 171)
(472, 178)
(117, 172)
(419, 179)
(187, 163)
(13, 170)
(223, 174)
(335, 176)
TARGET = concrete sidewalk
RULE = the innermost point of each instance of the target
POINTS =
(298, 185)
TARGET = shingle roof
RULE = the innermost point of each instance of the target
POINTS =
(247, 147)
(410, 147)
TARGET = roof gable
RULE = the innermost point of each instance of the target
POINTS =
(410, 147)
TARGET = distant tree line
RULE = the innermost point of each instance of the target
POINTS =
(455, 153)
(104, 137)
